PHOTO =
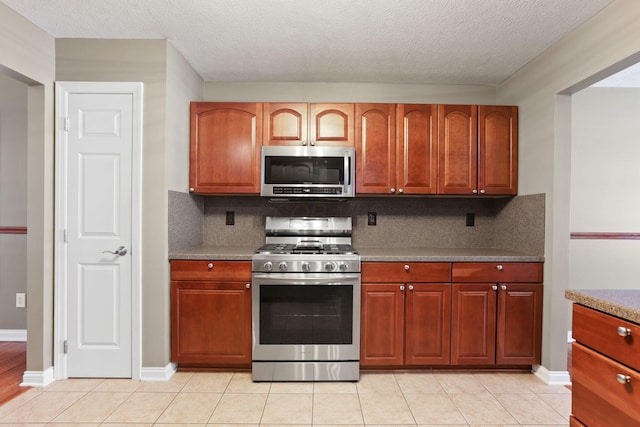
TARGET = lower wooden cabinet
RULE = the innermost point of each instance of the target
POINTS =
(210, 315)
(500, 322)
(405, 321)
(496, 324)
(605, 370)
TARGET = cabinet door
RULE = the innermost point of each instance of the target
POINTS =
(428, 324)
(211, 323)
(497, 149)
(285, 124)
(331, 124)
(417, 149)
(519, 328)
(375, 148)
(225, 148)
(382, 324)
(457, 149)
(473, 324)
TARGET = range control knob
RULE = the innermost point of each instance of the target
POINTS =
(330, 266)
(343, 267)
(306, 267)
(282, 266)
(268, 266)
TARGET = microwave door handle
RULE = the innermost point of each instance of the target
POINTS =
(347, 170)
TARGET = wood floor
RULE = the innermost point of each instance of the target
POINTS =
(13, 363)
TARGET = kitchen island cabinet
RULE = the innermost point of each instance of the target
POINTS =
(405, 314)
(605, 367)
(211, 313)
(496, 314)
(477, 150)
(225, 148)
(308, 124)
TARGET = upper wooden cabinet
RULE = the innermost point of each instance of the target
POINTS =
(478, 150)
(308, 124)
(225, 148)
(396, 148)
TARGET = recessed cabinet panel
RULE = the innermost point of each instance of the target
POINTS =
(225, 148)
(332, 124)
(375, 148)
(285, 124)
(417, 149)
(497, 149)
(382, 325)
(473, 324)
(457, 149)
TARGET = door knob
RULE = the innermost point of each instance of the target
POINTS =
(121, 251)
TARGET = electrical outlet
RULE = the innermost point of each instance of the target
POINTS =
(372, 218)
(231, 218)
(471, 219)
(21, 300)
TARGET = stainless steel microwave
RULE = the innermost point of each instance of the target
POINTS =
(309, 172)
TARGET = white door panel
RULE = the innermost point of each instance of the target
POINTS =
(99, 148)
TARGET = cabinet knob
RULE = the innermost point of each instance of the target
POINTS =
(494, 287)
(475, 191)
(499, 267)
(312, 143)
(248, 286)
(402, 287)
(393, 190)
(407, 267)
(624, 332)
(623, 379)
(191, 189)
(503, 287)
(482, 191)
(304, 142)
(410, 287)
(400, 191)
(210, 265)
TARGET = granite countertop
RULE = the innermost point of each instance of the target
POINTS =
(243, 253)
(623, 303)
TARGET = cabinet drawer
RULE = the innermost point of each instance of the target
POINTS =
(598, 398)
(599, 331)
(211, 270)
(497, 272)
(405, 272)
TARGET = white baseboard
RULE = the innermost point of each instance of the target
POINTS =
(551, 377)
(37, 378)
(13, 334)
(158, 374)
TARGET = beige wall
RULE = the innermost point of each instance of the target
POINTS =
(605, 151)
(137, 61)
(13, 200)
(604, 44)
(28, 54)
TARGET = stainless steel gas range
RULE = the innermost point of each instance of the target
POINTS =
(306, 301)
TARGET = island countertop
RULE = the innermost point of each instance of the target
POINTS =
(623, 303)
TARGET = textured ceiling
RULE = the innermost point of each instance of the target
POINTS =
(404, 41)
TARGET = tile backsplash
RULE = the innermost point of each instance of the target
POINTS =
(506, 223)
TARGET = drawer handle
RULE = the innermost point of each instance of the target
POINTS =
(210, 265)
(624, 332)
(499, 267)
(623, 379)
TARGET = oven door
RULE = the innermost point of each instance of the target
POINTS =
(306, 316)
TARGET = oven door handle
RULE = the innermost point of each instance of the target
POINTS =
(304, 280)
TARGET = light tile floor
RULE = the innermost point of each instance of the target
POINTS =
(216, 399)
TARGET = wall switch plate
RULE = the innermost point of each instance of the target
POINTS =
(471, 219)
(21, 300)
(231, 218)
(372, 218)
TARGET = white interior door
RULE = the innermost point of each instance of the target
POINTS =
(98, 234)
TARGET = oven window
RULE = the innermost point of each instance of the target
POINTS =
(307, 314)
(304, 170)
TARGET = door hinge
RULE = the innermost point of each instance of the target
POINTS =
(66, 124)
(65, 235)
(65, 347)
